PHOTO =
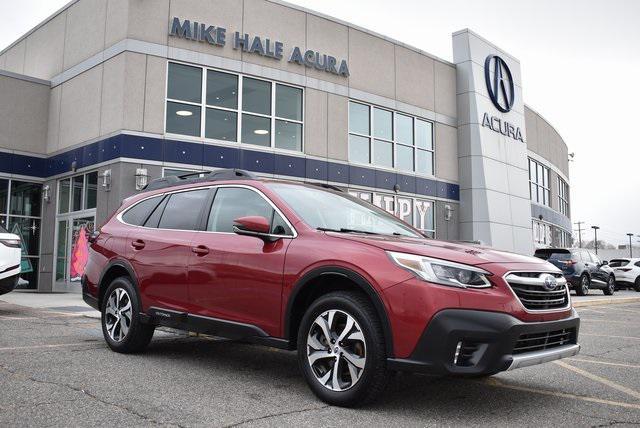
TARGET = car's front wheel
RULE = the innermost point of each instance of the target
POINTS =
(583, 287)
(341, 349)
(122, 327)
(610, 288)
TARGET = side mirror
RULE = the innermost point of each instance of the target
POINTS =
(253, 226)
(605, 263)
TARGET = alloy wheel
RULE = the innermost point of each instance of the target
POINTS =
(117, 314)
(585, 285)
(336, 350)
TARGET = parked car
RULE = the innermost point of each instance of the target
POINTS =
(582, 269)
(357, 292)
(626, 272)
(10, 253)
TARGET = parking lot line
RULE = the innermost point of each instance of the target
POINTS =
(591, 310)
(596, 378)
(603, 320)
(6, 318)
(604, 362)
(608, 335)
(59, 345)
(496, 383)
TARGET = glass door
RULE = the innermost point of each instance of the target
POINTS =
(72, 251)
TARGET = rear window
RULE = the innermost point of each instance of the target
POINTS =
(561, 255)
(618, 262)
(137, 214)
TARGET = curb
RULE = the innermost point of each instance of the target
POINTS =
(600, 302)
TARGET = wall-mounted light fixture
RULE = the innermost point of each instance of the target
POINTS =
(46, 193)
(106, 180)
(142, 178)
(448, 212)
(74, 166)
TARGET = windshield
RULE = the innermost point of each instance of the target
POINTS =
(618, 262)
(553, 255)
(325, 209)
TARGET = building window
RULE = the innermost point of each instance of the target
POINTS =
(78, 193)
(390, 139)
(563, 196)
(20, 214)
(541, 233)
(539, 183)
(236, 108)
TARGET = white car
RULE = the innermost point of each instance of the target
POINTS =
(626, 272)
(10, 252)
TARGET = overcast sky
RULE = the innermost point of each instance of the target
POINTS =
(580, 64)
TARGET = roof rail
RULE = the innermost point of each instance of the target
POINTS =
(327, 186)
(219, 175)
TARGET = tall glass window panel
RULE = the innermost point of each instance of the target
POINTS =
(92, 190)
(359, 150)
(424, 134)
(404, 129)
(382, 124)
(183, 119)
(288, 102)
(29, 231)
(4, 196)
(184, 83)
(288, 135)
(359, 118)
(404, 159)
(64, 195)
(256, 96)
(221, 125)
(383, 153)
(222, 89)
(25, 198)
(424, 162)
(76, 192)
(256, 130)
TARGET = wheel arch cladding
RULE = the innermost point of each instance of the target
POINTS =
(324, 280)
(115, 269)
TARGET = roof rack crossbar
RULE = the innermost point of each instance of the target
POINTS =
(219, 175)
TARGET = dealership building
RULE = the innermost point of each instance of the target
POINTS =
(104, 96)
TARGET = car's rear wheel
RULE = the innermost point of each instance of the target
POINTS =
(583, 287)
(636, 285)
(610, 288)
(341, 349)
(122, 327)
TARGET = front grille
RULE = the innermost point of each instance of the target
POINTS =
(530, 289)
(532, 342)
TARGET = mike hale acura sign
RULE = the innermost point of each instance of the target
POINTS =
(217, 36)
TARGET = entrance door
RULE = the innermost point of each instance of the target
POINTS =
(72, 250)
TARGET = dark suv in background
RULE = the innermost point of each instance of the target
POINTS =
(582, 269)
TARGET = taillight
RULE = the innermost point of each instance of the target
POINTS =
(624, 269)
(569, 262)
(12, 243)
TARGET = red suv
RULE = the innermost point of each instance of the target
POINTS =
(356, 291)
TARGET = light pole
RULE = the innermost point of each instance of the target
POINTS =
(630, 245)
(595, 233)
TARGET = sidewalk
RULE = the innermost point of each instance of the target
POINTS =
(597, 297)
(63, 302)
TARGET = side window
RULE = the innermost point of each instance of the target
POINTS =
(231, 203)
(137, 214)
(585, 256)
(595, 258)
(638, 264)
(182, 210)
(154, 218)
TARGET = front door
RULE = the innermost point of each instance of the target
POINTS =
(72, 250)
(239, 278)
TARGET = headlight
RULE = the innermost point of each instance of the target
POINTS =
(441, 271)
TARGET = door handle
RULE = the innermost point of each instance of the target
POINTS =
(138, 244)
(200, 250)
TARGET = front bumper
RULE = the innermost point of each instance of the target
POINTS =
(472, 343)
(9, 283)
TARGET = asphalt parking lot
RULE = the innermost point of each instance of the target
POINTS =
(55, 370)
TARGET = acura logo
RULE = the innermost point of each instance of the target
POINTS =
(500, 84)
(550, 282)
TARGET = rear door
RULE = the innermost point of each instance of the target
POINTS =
(239, 278)
(161, 249)
(600, 272)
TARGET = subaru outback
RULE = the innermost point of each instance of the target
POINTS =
(356, 292)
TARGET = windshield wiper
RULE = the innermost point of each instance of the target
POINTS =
(345, 230)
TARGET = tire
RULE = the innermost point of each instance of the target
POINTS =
(610, 288)
(364, 337)
(582, 288)
(122, 328)
(636, 285)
